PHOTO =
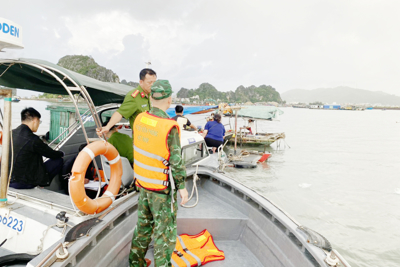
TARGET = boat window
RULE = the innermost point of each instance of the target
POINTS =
(106, 114)
(194, 152)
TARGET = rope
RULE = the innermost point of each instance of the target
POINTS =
(104, 196)
(40, 247)
(12, 164)
(242, 154)
(77, 212)
(195, 178)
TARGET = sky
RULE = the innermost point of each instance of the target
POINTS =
(288, 44)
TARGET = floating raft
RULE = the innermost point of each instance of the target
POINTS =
(259, 139)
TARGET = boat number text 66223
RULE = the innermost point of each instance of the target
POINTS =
(13, 222)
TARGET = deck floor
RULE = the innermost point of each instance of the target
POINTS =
(236, 254)
(223, 222)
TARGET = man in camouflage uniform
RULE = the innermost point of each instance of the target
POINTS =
(154, 211)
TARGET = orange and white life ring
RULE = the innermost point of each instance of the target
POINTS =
(77, 180)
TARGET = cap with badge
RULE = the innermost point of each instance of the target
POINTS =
(161, 89)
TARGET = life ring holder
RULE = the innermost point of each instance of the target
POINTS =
(77, 180)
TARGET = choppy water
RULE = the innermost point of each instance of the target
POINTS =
(340, 176)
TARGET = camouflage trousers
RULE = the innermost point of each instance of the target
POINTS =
(154, 217)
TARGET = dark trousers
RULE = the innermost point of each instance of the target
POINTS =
(53, 167)
(212, 142)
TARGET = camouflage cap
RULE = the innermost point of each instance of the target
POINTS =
(161, 89)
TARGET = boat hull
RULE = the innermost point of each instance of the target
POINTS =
(250, 229)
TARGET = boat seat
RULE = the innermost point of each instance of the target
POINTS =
(218, 217)
(127, 170)
(181, 122)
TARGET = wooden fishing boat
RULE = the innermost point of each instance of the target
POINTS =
(258, 139)
(244, 134)
(192, 110)
(52, 231)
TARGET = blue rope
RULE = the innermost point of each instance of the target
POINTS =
(3, 199)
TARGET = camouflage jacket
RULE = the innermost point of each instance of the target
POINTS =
(174, 144)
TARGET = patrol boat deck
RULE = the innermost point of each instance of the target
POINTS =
(225, 222)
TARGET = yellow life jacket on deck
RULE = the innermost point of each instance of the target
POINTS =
(195, 250)
(151, 151)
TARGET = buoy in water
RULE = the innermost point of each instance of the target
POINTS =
(264, 157)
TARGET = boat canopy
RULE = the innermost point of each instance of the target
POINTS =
(27, 74)
(260, 112)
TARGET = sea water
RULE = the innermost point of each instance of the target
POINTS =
(338, 174)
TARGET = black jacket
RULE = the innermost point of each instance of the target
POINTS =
(28, 149)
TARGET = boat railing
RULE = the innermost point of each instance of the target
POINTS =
(61, 78)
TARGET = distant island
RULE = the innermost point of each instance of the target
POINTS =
(204, 94)
(208, 93)
(341, 95)
(87, 66)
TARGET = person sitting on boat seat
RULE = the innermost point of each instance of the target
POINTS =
(250, 125)
(183, 122)
(28, 169)
(122, 142)
(66, 172)
(211, 118)
(214, 133)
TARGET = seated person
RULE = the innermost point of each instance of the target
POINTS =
(28, 168)
(183, 122)
(211, 118)
(66, 174)
(250, 125)
(122, 142)
(214, 132)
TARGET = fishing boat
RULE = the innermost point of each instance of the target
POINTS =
(250, 136)
(45, 227)
(192, 110)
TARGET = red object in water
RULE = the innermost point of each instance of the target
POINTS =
(264, 157)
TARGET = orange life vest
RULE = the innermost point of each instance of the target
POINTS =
(151, 151)
(195, 250)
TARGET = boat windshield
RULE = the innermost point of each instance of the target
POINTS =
(194, 152)
(105, 115)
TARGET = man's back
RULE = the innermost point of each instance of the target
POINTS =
(183, 122)
(27, 152)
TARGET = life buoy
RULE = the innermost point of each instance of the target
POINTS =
(77, 180)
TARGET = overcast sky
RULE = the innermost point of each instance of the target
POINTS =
(296, 44)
